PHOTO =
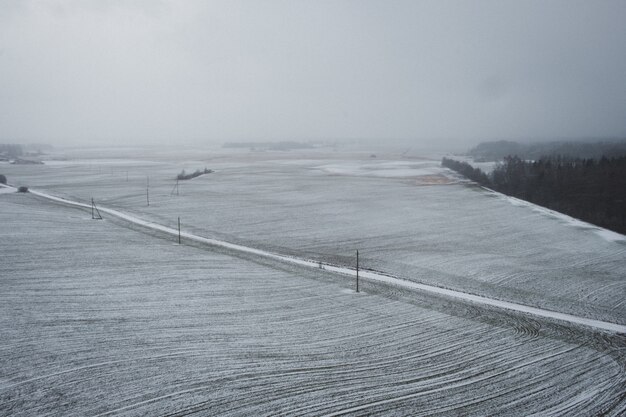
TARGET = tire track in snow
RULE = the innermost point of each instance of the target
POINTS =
(366, 274)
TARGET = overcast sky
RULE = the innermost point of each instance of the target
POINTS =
(90, 71)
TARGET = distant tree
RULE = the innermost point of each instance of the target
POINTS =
(22, 189)
(184, 176)
(497, 151)
(463, 168)
(3, 179)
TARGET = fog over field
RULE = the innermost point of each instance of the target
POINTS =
(439, 73)
(239, 208)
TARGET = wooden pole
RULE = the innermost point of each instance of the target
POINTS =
(179, 230)
(357, 271)
(175, 188)
(148, 190)
(94, 211)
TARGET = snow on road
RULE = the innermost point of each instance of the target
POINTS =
(374, 276)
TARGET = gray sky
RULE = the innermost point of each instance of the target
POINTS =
(177, 71)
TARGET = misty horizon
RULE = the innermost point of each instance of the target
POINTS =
(453, 74)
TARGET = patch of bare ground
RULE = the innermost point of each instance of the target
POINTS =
(434, 180)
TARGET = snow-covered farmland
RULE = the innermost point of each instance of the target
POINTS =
(98, 319)
(408, 217)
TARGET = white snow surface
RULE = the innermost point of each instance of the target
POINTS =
(374, 276)
(458, 237)
(384, 169)
(98, 319)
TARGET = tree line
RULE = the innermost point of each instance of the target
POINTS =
(497, 150)
(593, 190)
(184, 176)
(468, 171)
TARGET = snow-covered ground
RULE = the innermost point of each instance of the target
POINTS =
(340, 269)
(385, 169)
(99, 319)
(455, 236)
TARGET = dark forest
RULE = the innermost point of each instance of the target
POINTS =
(593, 190)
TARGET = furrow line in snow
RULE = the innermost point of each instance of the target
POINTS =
(97, 365)
(366, 274)
(447, 386)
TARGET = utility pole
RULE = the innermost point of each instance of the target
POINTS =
(357, 271)
(95, 213)
(148, 191)
(179, 230)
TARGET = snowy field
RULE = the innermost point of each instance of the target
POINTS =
(105, 318)
(408, 217)
(99, 319)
